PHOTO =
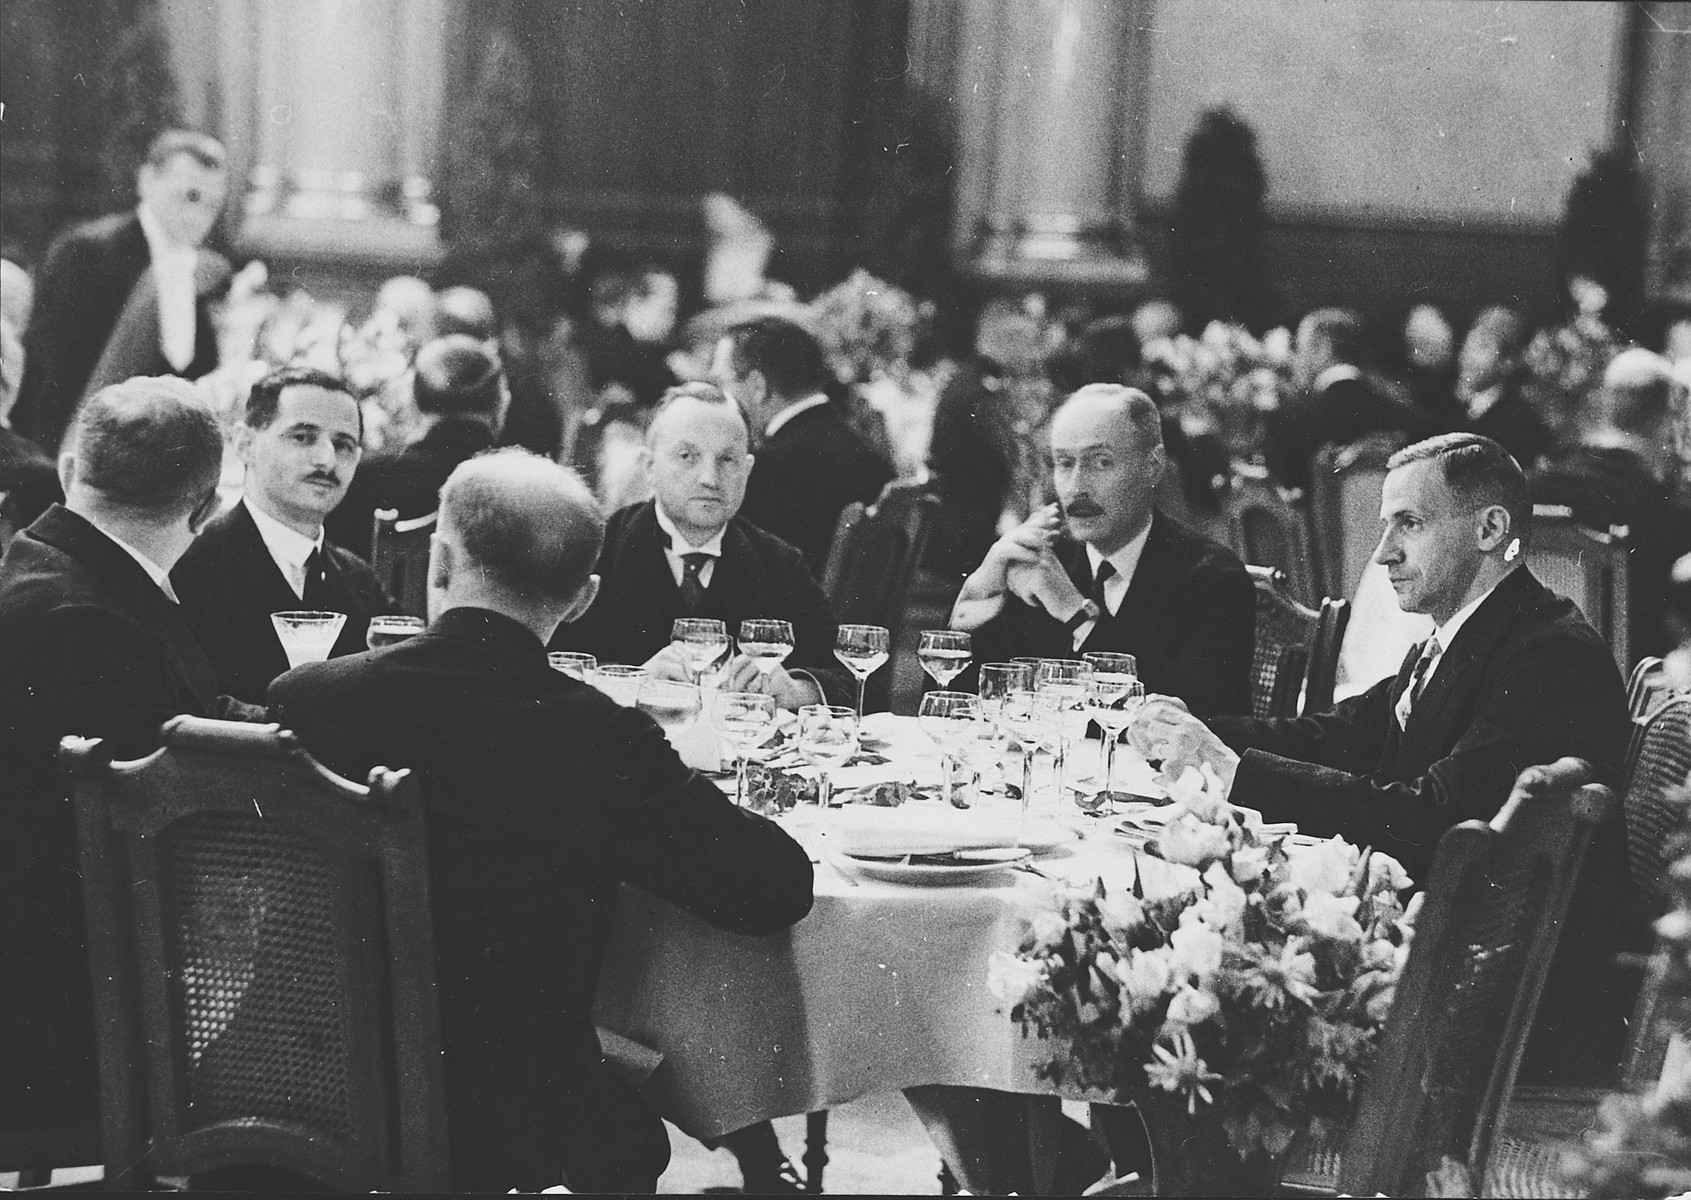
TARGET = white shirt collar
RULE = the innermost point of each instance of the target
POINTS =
(792, 410)
(1337, 373)
(1125, 561)
(154, 572)
(679, 545)
(288, 547)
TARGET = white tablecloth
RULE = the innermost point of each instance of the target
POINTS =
(883, 986)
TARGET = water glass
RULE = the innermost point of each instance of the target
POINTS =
(1020, 714)
(702, 641)
(1115, 700)
(864, 649)
(997, 681)
(952, 720)
(307, 636)
(669, 702)
(391, 630)
(766, 642)
(827, 738)
(620, 682)
(1060, 687)
(944, 654)
(574, 664)
(743, 719)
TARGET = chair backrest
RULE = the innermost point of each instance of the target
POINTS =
(1286, 637)
(399, 552)
(1323, 671)
(1265, 526)
(1344, 507)
(1652, 810)
(1589, 568)
(1495, 903)
(262, 932)
(875, 552)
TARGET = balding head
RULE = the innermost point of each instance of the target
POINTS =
(518, 534)
(1106, 461)
(149, 446)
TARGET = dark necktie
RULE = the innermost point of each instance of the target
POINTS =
(313, 597)
(1106, 569)
(692, 587)
(1417, 681)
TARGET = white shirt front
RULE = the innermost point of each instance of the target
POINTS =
(1126, 562)
(173, 276)
(1447, 632)
(154, 572)
(792, 410)
(287, 547)
(679, 545)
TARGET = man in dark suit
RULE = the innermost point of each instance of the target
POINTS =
(686, 553)
(1618, 473)
(1489, 376)
(1125, 578)
(1511, 677)
(91, 643)
(542, 797)
(126, 294)
(459, 389)
(268, 554)
(810, 463)
(1336, 400)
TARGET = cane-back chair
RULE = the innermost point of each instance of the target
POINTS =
(1647, 687)
(1297, 648)
(1589, 568)
(1496, 898)
(261, 931)
(1266, 525)
(1344, 507)
(399, 552)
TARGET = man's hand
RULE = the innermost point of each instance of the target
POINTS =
(1165, 730)
(982, 594)
(669, 664)
(791, 691)
(1044, 582)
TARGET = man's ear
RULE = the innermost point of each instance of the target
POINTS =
(1159, 465)
(242, 441)
(67, 470)
(1492, 532)
(582, 600)
(203, 512)
(440, 562)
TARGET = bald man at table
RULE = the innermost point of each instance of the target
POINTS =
(541, 797)
(1511, 677)
(1102, 570)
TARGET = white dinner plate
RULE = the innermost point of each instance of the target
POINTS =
(971, 866)
(923, 827)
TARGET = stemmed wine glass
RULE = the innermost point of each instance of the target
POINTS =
(1114, 701)
(950, 719)
(620, 682)
(574, 664)
(1113, 672)
(766, 641)
(944, 654)
(392, 629)
(1060, 692)
(863, 649)
(669, 702)
(997, 682)
(307, 637)
(743, 719)
(703, 642)
(827, 738)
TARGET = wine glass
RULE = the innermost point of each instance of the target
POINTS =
(766, 642)
(574, 664)
(1119, 670)
(1060, 692)
(997, 681)
(703, 642)
(1020, 714)
(1114, 702)
(669, 702)
(392, 629)
(620, 682)
(743, 719)
(827, 738)
(863, 649)
(944, 654)
(950, 719)
(307, 636)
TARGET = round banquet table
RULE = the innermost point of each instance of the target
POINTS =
(883, 986)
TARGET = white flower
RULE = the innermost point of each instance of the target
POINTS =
(1323, 867)
(1249, 862)
(1048, 925)
(1333, 916)
(1121, 911)
(1192, 1006)
(1009, 977)
(1227, 898)
(1146, 974)
(1198, 790)
(1192, 842)
(1277, 345)
(1385, 873)
(1297, 967)
(1197, 950)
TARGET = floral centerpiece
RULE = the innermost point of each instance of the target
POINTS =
(1566, 364)
(1252, 992)
(1226, 380)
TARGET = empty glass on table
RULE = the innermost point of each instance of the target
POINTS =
(944, 654)
(620, 682)
(743, 719)
(863, 649)
(1061, 697)
(766, 641)
(391, 630)
(669, 702)
(998, 681)
(827, 738)
(952, 720)
(574, 664)
(702, 641)
(307, 636)
(1115, 700)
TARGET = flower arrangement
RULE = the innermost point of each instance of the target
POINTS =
(867, 328)
(1256, 987)
(1566, 364)
(1225, 379)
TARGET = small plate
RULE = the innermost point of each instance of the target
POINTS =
(966, 866)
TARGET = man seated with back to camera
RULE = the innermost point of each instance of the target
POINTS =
(1102, 570)
(1511, 677)
(541, 797)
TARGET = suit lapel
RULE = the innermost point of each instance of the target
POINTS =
(738, 575)
(255, 571)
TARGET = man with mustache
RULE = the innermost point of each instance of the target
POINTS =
(300, 443)
(1102, 570)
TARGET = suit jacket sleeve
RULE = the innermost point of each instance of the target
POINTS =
(814, 632)
(64, 338)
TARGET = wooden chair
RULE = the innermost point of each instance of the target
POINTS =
(1588, 567)
(1495, 901)
(1646, 688)
(1344, 507)
(875, 553)
(1297, 648)
(261, 929)
(399, 552)
(1266, 525)
(36, 1151)
(1649, 798)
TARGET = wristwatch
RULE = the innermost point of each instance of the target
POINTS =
(1088, 611)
